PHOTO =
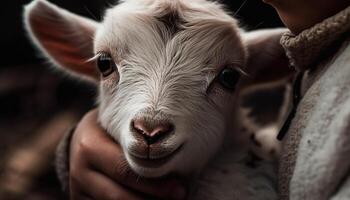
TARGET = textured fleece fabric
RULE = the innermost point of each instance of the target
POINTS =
(62, 160)
(315, 163)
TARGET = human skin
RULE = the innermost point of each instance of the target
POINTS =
(299, 15)
(98, 169)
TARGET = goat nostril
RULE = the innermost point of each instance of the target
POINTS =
(151, 140)
(152, 131)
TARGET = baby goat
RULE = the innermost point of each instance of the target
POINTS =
(169, 74)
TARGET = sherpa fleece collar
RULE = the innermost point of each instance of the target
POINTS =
(304, 49)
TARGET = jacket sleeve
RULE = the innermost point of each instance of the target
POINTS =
(62, 160)
(342, 168)
(343, 191)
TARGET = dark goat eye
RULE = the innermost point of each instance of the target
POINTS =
(105, 64)
(228, 78)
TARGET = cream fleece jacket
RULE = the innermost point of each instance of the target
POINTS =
(315, 163)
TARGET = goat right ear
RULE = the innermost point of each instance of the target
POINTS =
(267, 60)
(64, 38)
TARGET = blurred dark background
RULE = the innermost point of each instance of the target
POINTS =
(38, 105)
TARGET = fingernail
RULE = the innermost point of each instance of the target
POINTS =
(179, 193)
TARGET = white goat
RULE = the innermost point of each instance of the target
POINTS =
(169, 74)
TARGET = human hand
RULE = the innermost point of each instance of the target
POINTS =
(99, 170)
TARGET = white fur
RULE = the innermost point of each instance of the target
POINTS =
(169, 74)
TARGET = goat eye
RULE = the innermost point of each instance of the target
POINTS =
(105, 64)
(228, 78)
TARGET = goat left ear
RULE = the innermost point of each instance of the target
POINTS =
(63, 37)
(267, 61)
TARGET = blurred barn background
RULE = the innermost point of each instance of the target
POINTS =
(38, 105)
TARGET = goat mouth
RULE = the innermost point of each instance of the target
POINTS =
(151, 161)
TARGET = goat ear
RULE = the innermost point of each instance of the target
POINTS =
(267, 61)
(64, 38)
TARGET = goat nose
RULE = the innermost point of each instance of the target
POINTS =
(152, 131)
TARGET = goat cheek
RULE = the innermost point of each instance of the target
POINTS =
(217, 93)
(110, 83)
(222, 98)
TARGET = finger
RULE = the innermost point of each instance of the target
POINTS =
(109, 159)
(80, 196)
(76, 193)
(100, 187)
(114, 165)
(85, 197)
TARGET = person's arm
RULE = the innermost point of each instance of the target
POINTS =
(344, 191)
(96, 168)
(341, 168)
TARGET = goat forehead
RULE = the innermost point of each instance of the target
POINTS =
(199, 44)
(147, 34)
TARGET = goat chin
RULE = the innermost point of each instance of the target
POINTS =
(155, 170)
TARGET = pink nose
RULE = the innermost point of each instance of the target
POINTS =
(152, 130)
